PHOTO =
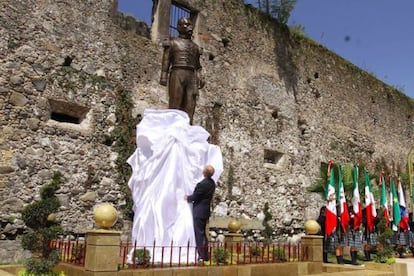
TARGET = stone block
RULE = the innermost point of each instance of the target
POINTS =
(103, 251)
(401, 269)
(99, 273)
(103, 237)
(146, 272)
(230, 271)
(162, 272)
(378, 266)
(243, 270)
(315, 267)
(313, 246)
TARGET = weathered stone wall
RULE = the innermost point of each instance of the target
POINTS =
(267, 92)
(63, 54)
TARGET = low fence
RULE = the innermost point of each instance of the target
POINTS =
(133, 256)
(71, 251)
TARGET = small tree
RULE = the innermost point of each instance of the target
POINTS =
(39, 217)
(267, 232)
(279, 9)
(386, 250)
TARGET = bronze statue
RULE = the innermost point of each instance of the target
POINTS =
(181, 59)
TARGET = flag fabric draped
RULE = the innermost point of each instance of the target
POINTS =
(356, 201)
(343, 207)
(401, 199)
(384, 201)
(370, 210)
(395, 207)
(331, 219)
(390, 202)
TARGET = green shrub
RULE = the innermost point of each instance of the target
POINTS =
(142, 257)
(41, 230)
(279, 253)
(255, 250)
(43, 265)
(390, 261)
(25, 273)
(221, 255)
(386, 250)
(268, 230)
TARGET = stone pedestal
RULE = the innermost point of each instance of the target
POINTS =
(233, 240)
(102, 253)
(313, 245)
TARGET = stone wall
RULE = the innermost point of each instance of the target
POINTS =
(277, 104)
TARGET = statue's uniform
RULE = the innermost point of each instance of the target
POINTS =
(182, 59)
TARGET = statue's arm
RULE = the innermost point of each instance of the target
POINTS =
(200, 76)
(165, 66)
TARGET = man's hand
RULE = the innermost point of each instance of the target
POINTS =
(164, 78)
(201, 81)
(185, 197)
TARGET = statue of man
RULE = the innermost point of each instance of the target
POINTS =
(181, 59)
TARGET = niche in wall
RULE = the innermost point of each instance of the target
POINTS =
(66, 112)
(69, 115)
(272, 156)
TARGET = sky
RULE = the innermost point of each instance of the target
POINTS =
(375, 35)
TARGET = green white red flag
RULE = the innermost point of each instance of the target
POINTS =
(396, 213)
(356, 200)
(390, 206)
(330, 196)
(384, 201)
(401, 199)
(343, 207)
(370, 210)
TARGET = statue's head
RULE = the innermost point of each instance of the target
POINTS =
(185, 27)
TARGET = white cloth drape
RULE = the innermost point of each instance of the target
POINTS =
(166, 165)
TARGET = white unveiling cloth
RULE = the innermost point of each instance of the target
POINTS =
(166, 165)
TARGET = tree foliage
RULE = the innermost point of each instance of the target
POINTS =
(279, 9)
(319, 186)
(267, 232)
(38, 216)
(124, 144)
(386, 250)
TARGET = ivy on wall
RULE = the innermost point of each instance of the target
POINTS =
(124, 143)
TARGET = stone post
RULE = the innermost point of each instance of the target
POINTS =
(102, 252)
(233, 240)
(313, 246)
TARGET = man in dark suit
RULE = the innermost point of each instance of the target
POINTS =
(201, 199)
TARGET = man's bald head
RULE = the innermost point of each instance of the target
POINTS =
(208, 171)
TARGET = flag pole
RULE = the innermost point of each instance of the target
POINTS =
(411, 177)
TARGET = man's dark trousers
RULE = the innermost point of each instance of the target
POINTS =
(201, 238)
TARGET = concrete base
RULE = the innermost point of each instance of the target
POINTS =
(102, 253)
(313, 245)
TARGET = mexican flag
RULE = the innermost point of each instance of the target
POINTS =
(330, 221)
(371, 212)
(356, 201)
(343, 207)
(396, 213)
(384, 201)
(401, 199)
